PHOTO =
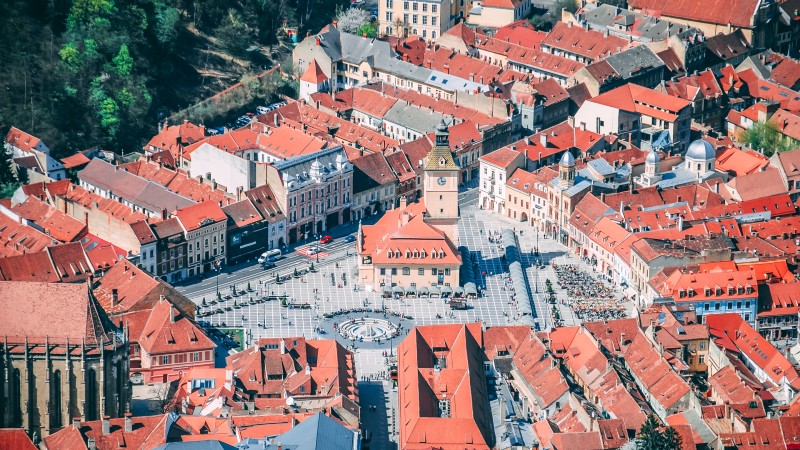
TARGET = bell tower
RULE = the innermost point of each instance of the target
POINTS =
(440, 181)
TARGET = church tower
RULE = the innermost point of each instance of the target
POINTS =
(440, 181)
(566, 171)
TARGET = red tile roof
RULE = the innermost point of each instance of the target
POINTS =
(738, 13)
(701, 85)
(135, 291)
(194, 216)
(785, 300)
(591, 44)
(787, 73)
(175, 137)
(107, 206)
(18, 239)
(147, 432)
(460, 65)
(15, 439)
(441, 106)
(22, 140)
(787, 123)
(166, 331)
(731, 327)
(739, 162)
(390, 241)
(502, 157)
(521, 33)
(78, 318)
(461, 382)
(547, 62)
(314, 74)
(55, 223)
(76, 160)
(645, 101)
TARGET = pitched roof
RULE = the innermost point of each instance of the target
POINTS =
(196, 216)
(462, 383)
(787, 73)
(22, 140)
(587, 43)
(174, 138)
(738, 13)
(76, 160)
(135, 291)
(728, 46)
(501, 158)
(732, 328)
(371, 170)
(314, 74)
(264, 200)
(18, 239)
(242, 213)
(165, 330)
(52, 221)
(143, 427)
(645, 101)
(15, 439)
(79, 316)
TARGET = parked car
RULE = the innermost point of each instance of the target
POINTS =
(137, 378)
(313, 250)
(326, 240)
(350, 238)
(262, 110)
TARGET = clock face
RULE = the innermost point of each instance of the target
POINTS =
(442, 181)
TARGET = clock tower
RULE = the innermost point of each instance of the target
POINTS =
(441, 186)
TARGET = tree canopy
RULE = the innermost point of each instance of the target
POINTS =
(764, 136)
(650, 436)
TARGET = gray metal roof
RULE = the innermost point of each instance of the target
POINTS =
(318, 432)
(298, 170)
(602, 167)
(134, 189)
(517, 273)
(420, 120)
(649, 28)
(627, 62)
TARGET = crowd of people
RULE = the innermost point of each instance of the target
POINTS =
(589, 298)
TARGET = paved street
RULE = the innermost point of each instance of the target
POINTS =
(331, 289)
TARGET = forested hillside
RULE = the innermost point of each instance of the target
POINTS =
(81, 73)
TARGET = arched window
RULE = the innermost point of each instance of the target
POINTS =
(406, 271)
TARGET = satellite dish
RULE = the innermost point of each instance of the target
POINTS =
(289, 401)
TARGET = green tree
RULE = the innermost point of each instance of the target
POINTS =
(6, 174)
(764, 136)
(367, 29)
(167, 20)
(234, 34)
(672, 440)
(649, 437)
(84, 12)
(123, 62)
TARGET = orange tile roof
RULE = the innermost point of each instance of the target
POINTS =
(608, 234)
(502, 157)
(785, 300)
(739, 162)
(504, 340)
(76, 160)
(390, 241)
(57, 224)
(572, 38)
(314, 74)
(22, 140)
(786, 73)
(738, 13)
(729, 388)
(732, 326)
(15, 439)
(107, 206)
(18, 239)
(193, 217)
(461, 382)
(166, 331)
(147, 432)
(634, 98)
(532, 57)
(521, 33)
(175, 137)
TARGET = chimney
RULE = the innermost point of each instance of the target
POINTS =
(621, 206)
(164, 214)
(76, 422)
(106, 425)
(543, 139)
(403, 202)
(90, 445)
(128, 422)
(621, 340)
(335, 24)
(318, 41)
(114, 297)
(171, 314)
(277, 121)
(569, 24)
(404, 218)
(283, 347)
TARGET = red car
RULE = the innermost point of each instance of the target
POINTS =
(325, 239)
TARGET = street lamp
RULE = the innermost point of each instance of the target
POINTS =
(217, 267)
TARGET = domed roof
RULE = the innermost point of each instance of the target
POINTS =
(652, 158)
(702, 150)
(567, 159)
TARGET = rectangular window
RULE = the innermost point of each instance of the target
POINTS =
(421, 272)
(383, 271)
(164, 360)
(196, 356)
(394, 271)
(447, 271)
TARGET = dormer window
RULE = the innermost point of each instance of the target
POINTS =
(691, 292)
(441, 161)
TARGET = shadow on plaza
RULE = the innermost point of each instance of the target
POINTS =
(376, 423)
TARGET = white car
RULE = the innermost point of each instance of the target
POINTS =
(137, 378)
(313, 250)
